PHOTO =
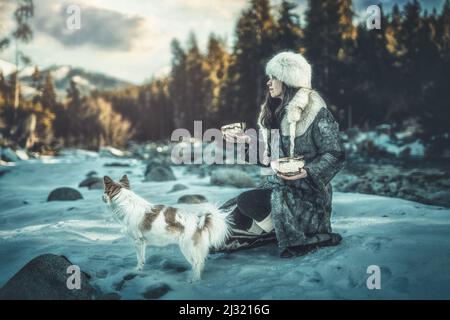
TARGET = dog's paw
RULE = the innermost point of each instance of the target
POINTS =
(140, 267)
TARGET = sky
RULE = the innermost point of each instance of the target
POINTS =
(130, 39)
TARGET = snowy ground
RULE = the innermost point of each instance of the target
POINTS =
(410, 242)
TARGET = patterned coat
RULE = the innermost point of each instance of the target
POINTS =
(301, 209)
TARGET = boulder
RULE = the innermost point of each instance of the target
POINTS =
(90, 181)
(178, 187)
(110, 151)
(192, 199)
(8, 155)
(64, 194)
(157, 162)
(45, 278)
(160, 173)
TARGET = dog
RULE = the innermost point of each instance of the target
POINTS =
(161, 225)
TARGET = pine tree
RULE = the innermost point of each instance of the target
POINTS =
(48, 98)
(36, 82)
(196, 74)
(177, 87)
(217, 63)
(44, 107)
(289, 33)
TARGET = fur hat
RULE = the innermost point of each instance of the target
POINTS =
(290, 68)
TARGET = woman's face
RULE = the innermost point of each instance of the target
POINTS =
(275, 87)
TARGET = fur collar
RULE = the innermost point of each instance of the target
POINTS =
(300, 113)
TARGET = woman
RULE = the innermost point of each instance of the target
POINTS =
(296, 209)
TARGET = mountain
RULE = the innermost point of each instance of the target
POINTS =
(6, 67)
(87, 81)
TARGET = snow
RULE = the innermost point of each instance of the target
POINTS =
(82, 82)
(27, 71)
(6, 67)
(409, 241)
(61, 72)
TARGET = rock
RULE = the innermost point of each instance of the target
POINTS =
(97, 186)
(110, 151)
(89, 181)
(116, 164)
(155, 163)
(156, 291)
(440, 198)
(231, 177)
(7, 154)
(22, 154)
(118, 286)
(45, 278)
(192, 199)
(178, 187)
(91, 174)
(64, 194)
(160, 173)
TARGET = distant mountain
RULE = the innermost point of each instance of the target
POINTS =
(6, 67)
(87, 81)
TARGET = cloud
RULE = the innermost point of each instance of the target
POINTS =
(101, 28)
(6, 17)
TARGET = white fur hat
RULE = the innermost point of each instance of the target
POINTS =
(290, 68)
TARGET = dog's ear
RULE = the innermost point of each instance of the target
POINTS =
(125, 182)
(107, 181)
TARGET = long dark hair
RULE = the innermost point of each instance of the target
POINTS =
(273, 108)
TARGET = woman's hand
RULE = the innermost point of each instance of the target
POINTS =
(238, 137)
(303, 174)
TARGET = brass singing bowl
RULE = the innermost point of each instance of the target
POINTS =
(277, 164)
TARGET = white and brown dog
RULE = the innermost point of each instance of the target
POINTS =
(160, 225)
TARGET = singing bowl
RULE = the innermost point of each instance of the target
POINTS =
(288, 166)
(233, 128)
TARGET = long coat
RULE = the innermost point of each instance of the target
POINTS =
(301, 208)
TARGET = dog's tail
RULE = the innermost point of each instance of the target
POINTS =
(217, 223)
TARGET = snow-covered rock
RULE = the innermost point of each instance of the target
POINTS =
(7, 154)
(22, 154)
(382, 141)
(111, 151)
